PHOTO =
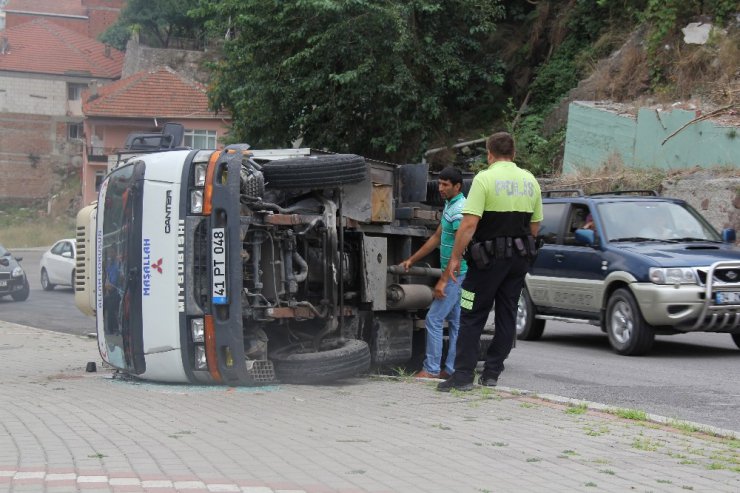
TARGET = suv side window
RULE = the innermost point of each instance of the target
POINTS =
(552, 222)
(577, 219)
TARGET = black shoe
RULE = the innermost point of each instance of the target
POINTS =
(487, 381)
(452, 383)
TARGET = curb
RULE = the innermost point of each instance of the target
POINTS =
(595, 406)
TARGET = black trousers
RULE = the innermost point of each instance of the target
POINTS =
(502, 283)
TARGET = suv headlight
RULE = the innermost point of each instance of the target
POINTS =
(17, 272)
(672, 275)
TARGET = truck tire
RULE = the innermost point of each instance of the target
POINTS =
(629, 333)
(315, 171)
(736, 338)
(336, 359)
(528, 328)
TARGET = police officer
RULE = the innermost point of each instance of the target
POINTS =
(502, 216)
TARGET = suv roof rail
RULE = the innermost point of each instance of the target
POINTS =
(573, 191)
(651, 193)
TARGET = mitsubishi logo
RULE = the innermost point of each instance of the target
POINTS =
(157, 265)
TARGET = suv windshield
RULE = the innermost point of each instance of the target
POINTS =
(654, 220)
(121, 260)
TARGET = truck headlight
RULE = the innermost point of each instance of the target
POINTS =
(197, 329)
(17, 272)
(196, 202)
(201, 362)
(199, 174)
(672, 275)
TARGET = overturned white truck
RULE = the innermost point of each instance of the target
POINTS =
(246, 267)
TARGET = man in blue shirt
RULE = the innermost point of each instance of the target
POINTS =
(446, 304)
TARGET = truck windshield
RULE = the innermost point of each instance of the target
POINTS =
(121, 267)
(654, 221)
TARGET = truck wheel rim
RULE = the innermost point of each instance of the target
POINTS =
(622, 322)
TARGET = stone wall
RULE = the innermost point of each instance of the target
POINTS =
(716, 197)
(186, 62)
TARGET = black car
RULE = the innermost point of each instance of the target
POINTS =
(635, 264)
(13, 280)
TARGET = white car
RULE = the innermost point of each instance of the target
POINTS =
(58, 265)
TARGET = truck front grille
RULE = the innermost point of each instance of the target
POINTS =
(201, 264)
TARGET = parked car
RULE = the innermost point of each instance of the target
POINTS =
(640, 265)
(58, 265)
(13, 279)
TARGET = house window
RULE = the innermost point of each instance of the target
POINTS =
(200, 139)
(74, 130)
(74, 91)
(99, 177)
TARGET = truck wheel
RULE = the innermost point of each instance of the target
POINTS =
(736, 338)
(22, 295)
(628, 332)
(336, 359)
(45, 284)
(315, 171)
(528, 328)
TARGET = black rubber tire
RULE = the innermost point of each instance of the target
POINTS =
(629, 333)
(528, 328)
(45, 284)
(736, 338)
(21, 295)
(315, 172)
(337, 359)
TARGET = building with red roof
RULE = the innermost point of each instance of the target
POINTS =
(87, 17)
(44, 68)
(144, 102)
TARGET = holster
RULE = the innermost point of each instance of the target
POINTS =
(479, 255)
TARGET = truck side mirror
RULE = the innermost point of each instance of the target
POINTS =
(728, 235)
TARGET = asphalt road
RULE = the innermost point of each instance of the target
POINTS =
(690, 377)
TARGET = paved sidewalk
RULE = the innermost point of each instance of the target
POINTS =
(64, 430)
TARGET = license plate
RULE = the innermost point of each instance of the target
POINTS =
(727, 298)
(218, 267)
(3, 284)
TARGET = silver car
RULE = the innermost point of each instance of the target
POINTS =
(58, 265)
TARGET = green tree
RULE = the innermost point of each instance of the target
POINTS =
(157, 21)
(379, 78)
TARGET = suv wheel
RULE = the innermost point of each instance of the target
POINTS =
(628, 332)
(528, 328)
(736, 338)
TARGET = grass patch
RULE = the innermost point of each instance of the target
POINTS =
(23, 228)
(595, 432)
(645, 444)
(633, 414)
(577, 409)
(607, 471)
